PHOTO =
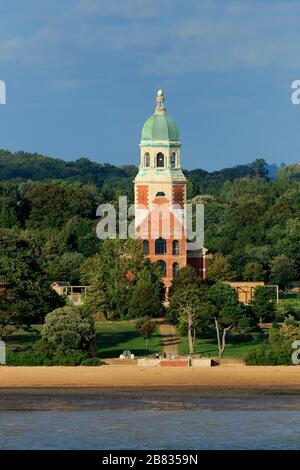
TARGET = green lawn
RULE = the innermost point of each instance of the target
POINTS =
(209, 347)
(21, 339)
(113, 337)
(291, 300)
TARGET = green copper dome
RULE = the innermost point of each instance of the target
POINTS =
(160, 127)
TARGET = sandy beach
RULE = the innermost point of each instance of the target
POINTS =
(279, 379)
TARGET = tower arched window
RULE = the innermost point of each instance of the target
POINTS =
(175, 247)
(160, 160)
(173, 160)
(146, 247)
(163, 267)
(160, 246)
(147, 159)
(175, 269)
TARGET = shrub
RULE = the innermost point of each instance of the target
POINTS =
(61, 358)
(68, 339)
(27, 358)
(67, 328)
(72, 357)
(277, 351)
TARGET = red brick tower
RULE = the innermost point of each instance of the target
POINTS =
(160, 193)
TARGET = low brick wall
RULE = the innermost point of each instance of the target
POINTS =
(197, 362)
(174, 363)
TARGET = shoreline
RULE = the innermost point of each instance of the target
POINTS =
(221, 380)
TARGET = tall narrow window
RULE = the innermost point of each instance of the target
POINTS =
(162, 266)
(147, 160)
(160, 246)
(175, 269)
(175, 247)
(160, 160)
(146, 247)
(173, 160)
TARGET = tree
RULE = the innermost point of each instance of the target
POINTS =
(260, 168)
(146, 326)
(66, 267)
(289, 171)
(226, 311)
(262, 304)
(120, 276)
(27, 295)
(67, 328)
(282, 270)
(219, 269)
(9, 320)
(254, 271)
(188, 302)
(147, 295)
(97, 301)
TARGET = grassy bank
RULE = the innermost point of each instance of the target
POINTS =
(114, 337)
(209, 347)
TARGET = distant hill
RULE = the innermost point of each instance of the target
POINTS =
(36, 167)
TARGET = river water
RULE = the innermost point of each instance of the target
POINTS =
(146, 419)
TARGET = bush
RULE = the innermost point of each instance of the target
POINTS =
(263, 356)
(61, 358)
(72, 357)
(277, 351)
(27, 358)
(290, 320)
(67, 328)
(68, 339)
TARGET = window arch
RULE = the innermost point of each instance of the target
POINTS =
(160, 246)
(173, 160)
(147, 159)
(175, 269)
(160, 160)
(163, 267)
(146, 247)
(175, 247)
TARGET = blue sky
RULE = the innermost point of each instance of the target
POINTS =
(81, 77)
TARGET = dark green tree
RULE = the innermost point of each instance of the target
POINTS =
(263, 304)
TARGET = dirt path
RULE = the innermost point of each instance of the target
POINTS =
(169, 336)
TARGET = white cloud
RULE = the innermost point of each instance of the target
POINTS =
(237, 35)
(165, 37)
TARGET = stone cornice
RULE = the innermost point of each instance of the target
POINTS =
(163, 145)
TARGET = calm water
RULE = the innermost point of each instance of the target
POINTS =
(165, 419)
